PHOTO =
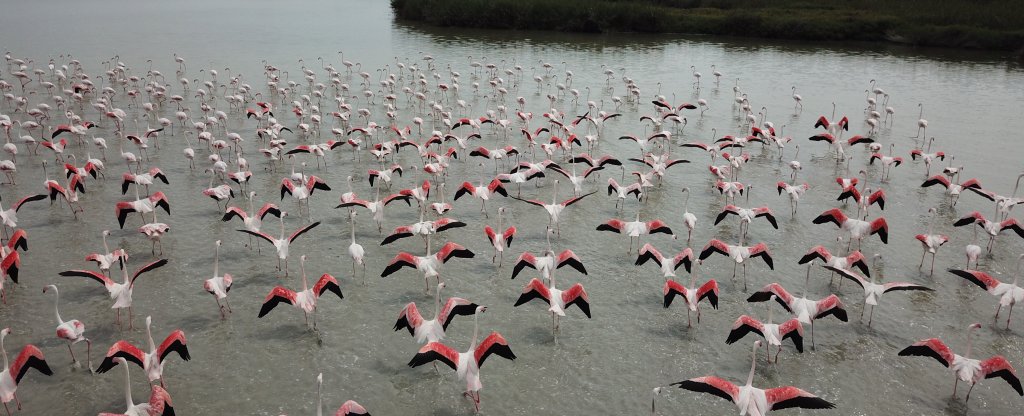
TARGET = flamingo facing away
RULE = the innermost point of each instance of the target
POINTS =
(107, 258)
(739, 254)
(219, 285)
(668, 265)
(794, 192)
(121, 293)
(548, 262)
(747, 216)
(142, 206)
(305, 300)
(282, 244)
(71, 331)
(854, 259)
(152, 362)
(992, 228)
(484, 193)
(430, 264)
(964, 367)
(952, 189)
(377, 207)
(1008, 294)
(839, 144)
(302, 192)
(931, 242)
(10, 377)
(432, 330)
(751, 400)
(466, 364)
(858, 229)
(873, 291)
(635, 229)
(773, 334)
(252, 222)
(159, 400)
(689, 219)
(557, 300)
(806, 310)
(499, 241)
(621, 192)
(9, 217)
(422, 228)
(692, 295)
(554, 209)
(349, 408)
(355, 250)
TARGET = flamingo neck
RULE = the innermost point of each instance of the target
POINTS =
(686, 205)
(149, 336)
(437, 303)
(472, 344)
(967, 353)
(769, 313)
(753, 365)
(305, 284)
(56, 305)
(216, 261)
(281, 220)
(128, 387)
(807, 280)
(319, 398)
(106, 249)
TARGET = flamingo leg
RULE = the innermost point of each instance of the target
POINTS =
(955, 381)
(88, 353)
(871, 315)
(1008, 314)
(999, 307)
(969, 393)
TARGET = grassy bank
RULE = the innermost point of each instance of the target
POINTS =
(977, 24)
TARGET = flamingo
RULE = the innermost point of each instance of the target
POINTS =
(873, 291)
(301, 193)
(621, 192)
(739, 254)
(838, 144)
(668, 265)
(557, 300)
(281, 244)
(992, 228)
(851, 260)
(931, 242)
(29, 357)
(692, 295)
(355, 250)
(252, 222)
(483, 192)
(1008, 294)
(747, 215)
(773, 334)
(964, 367)
(554, 209)
(794, 192)
(107, 258)
(429, 264)
(499, 241)
(72, 331)
(143, 179)
(432, 330)
(635, 229)
(888, 162)
(152, 362)
(519, 177)
(9, 217)
(377, 207)
(466, 364)
(922, 124)
(577, 181)
(858, 229)
(219, 285)
(752, 400)
(349, 408)
(142, 206)
(422, 228)
(548, 262)
(806, 310)
(305, 300)
(952, 189)
(384, 174)
(159, 400)
(121, 293)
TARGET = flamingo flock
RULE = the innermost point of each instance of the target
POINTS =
(411, 125)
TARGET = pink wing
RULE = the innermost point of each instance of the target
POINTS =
(436, 351)
(409, 318)
(567, 257)
(175, 342)
(982, 279)
(931, 347)
(351, 408)
(713, 385)
(998, 367)
(789, 396)
(493, 344)
(159, 401)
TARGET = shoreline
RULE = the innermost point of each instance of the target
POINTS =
(949, 28)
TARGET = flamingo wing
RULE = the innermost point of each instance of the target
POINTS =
(794, 330)
(833, 215)
(1012, 224)
(684, 258)
(648, 252)
(568, 258)
(767, 214)
(325, 284)
(714, 246)
(743, 326)
(122, 349)
(670, 290)
(399, 233)
(816, 252)
(526, 259)
(534, 290)
(233, 212)
(99, 277)
(761, 250)
(175, 342)
(453, 307)
(262, 235)
(657, 226)
(973, 217)
(31, 357)
(409, 318)
(277, 295)
(782, 296)
(451, 250)
(160, 402)
(436, 351)
(447, 223)
(936, 180)
(493, 344)
(577, 296)
(401, 260)
(151, 266)
(982, 279)
(302, 230)
(888, 287)
(614, 225)
(931, 347)
(831, 305)
(727, 210)
(789, 396)
(571, 201)
(709, 290)
(849, 274)
(713, 385)
(997, 367)
(30, 198)
(351, 408)
(270, 209)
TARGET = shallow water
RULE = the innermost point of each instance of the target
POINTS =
(607, 364)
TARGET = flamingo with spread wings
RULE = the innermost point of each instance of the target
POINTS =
(152, 362)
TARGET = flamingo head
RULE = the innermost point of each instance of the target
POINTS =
(106, 233)
(757, 344)
(252, 194)
(481, 309)
(441, 286)
(47, 287)
(217, 243)
(973, 326)
(149, 321)
(302, 258)
(284, 214)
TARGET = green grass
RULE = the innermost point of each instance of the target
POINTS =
(978, 24)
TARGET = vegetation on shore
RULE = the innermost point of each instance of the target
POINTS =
(976, 24)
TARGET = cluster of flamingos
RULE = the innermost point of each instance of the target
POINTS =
(409, 130)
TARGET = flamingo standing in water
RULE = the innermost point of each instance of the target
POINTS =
(873, 291)
(964, 367)
(432, 330)
(10, 377)
(499, 241)
(305, 300)
(466, 364)
(739, 254)
(751, 400)
(806, 310)
(159, 400)
(349, 408)
(107, 258)
(254, 221)
(429, 264)
(281, 244)
(152, 362)
(668, 265)
(794, 192)
(219, 285)
(355, 250)
(635, 229)
(71, 331)
(992, 228)
(554, 209)
(557, 300)
(858, 229)
(931, 242)
(121, 293)
(547, 263)
(774, 334)
(1009, 294)
(692, 295)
